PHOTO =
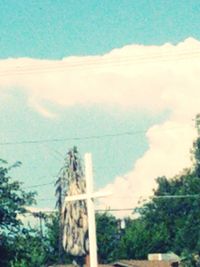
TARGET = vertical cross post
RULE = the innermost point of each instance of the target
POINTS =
(89, 196)
(91, 211)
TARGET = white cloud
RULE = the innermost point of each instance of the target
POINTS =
(136, 77)
(168, 154)
(142, 77)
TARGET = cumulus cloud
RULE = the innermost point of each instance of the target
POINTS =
(168, 154)
(140, 77)
(135, 77)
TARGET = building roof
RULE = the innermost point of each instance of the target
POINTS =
(144, 263)
(132, 263)
(69, 265)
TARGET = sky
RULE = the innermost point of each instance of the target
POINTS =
(116, 78)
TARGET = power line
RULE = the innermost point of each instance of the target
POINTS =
(150, 197)
(42, 184)
(132, 208)
(104, 210)
(42, 141)
(96, 210)
(177, 196)
(45, 199)
(68, 139)
(101, 61)
(117, 209)
(38, 185)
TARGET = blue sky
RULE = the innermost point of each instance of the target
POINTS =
(53, 30)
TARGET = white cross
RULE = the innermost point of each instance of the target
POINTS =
(90, 196)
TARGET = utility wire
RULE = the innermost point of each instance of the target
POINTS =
(100, 61)
(78, 138)
(120, 209)
(151, 197)
(38, 185)
(103, 210)
(96, 210)
(132, 208)
(42, 141)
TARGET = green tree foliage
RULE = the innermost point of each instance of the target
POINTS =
(52, 238)
(13, 200)
(196, 148)
(34, 249)
(52, 234)
(134, 241)
(171, 220)
(30, 249)
(108, 237)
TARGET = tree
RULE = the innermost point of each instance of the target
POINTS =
(74, 214)
(61, 187)
(30, 249)
(52, 236)
(170, 221)
(13, 200)
(196, 148)
(108, 237)
(173, 223)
